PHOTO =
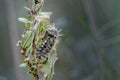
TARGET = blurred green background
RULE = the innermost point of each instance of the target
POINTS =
(88, 50)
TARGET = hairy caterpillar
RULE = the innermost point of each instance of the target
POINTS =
(48, 43)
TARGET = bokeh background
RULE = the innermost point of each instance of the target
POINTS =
(88, 50)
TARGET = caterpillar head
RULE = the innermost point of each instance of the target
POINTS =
(52, 32)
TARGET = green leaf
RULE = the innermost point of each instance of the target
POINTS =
(27, 25)
(50, 76)
(30, 17)
(39, 7)
(41, 29)
(45, 15)
(47, 68)
(27, 40)
(26, 60)
(24, 20)
(53, 57)
(29, 50)
(23, 65)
